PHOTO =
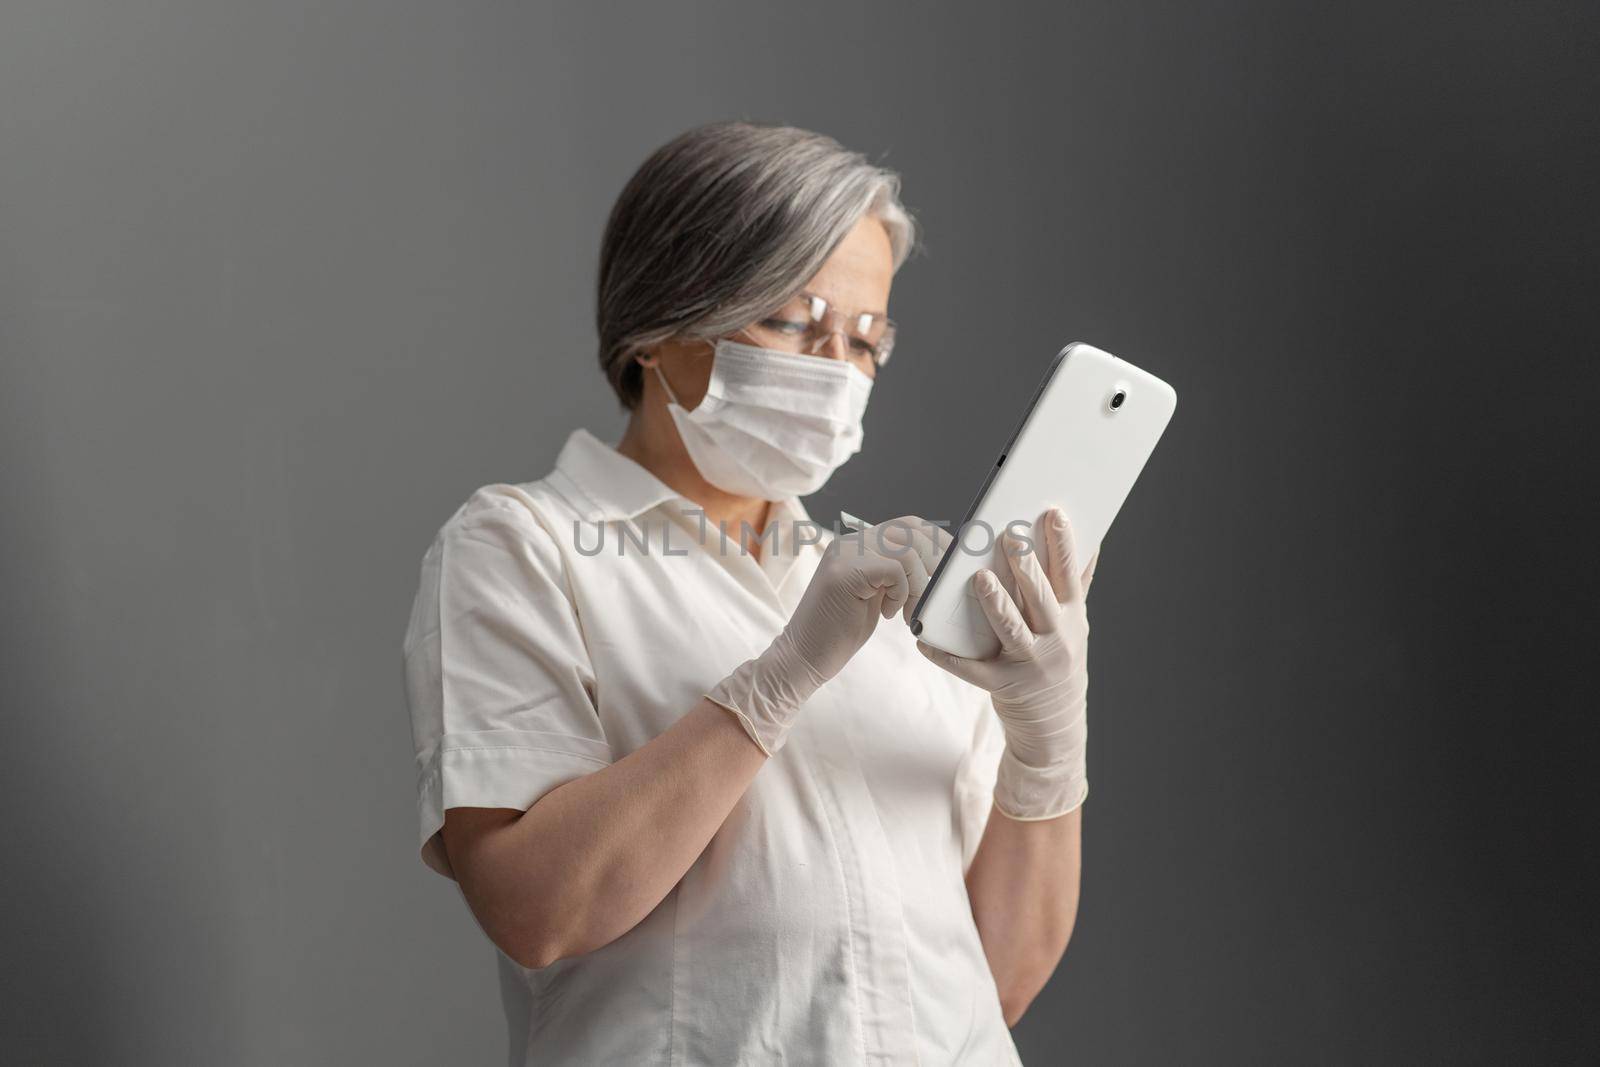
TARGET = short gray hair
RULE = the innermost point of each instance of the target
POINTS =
(721, 225)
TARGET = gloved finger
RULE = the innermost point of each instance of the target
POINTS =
(1034, 592)
(918, 574)
(1088, 572)
(931, 539)
(896, 589)
(1001, 612)
(1062, 556)
(898, 539)
(912, 534)
(889, 575)
(973, 671)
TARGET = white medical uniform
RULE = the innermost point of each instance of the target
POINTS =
(828, 920)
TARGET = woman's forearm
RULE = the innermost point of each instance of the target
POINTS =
(591, 858)
(1023, 883)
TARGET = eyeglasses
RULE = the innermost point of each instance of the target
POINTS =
(807, 321)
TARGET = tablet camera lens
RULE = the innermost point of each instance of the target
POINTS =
(1117, 398)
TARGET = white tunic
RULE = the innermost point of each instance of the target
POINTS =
(828, 920)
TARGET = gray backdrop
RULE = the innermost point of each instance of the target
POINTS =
(281, 283)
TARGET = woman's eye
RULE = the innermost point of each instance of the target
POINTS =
(784, 326)
(865, 348)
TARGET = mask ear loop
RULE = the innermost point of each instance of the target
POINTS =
(663, 379)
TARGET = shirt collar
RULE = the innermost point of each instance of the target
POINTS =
(603, 484)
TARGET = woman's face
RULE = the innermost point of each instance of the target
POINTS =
(854, 279)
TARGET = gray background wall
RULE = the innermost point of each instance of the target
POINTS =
(280, 284)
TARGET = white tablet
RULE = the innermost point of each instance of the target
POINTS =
(1081, 444)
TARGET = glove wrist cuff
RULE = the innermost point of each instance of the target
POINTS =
(767, 692)
(1029, 793)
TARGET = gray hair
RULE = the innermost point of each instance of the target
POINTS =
(721, 225)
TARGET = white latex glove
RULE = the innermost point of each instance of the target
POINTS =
(1039, 680)
(855, 585)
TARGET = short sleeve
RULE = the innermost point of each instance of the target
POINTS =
(498, 678)
(976, 773)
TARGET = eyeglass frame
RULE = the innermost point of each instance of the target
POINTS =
(882, 348)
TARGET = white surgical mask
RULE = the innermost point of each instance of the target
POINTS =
(772, 424)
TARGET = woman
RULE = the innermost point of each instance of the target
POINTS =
(696, 781)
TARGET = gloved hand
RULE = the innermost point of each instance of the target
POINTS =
(855, 585)
(1039, 680)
